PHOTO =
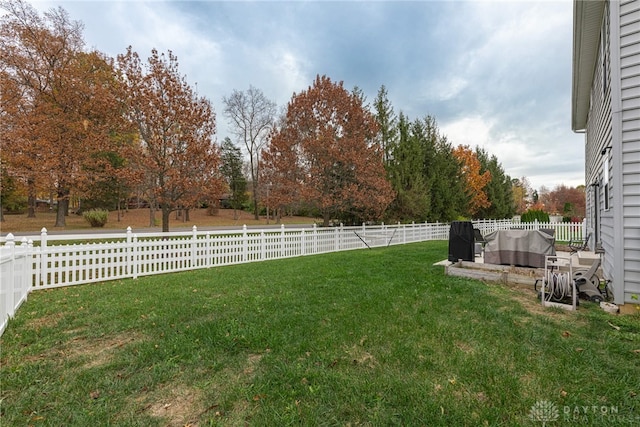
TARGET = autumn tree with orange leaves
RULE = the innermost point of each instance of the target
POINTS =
(177, 159)
(476, 181)
(569, 202)
(60, 105)
(325, 155)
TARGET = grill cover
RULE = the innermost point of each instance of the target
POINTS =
(524, 248)
(461, 241)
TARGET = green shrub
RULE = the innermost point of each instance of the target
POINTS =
(534, 215)
(96, 217)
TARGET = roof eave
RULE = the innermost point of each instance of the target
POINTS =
(587, 21)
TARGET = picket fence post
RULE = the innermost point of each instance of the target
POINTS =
(208, 250)
(8, 297)
(26, 279)
(315, 239)
(245, 243)
(42, 280)
(134, 256)
(194, 247)
(129, 253)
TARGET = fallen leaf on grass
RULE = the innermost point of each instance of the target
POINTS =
(617, 328)
(563, 393)
(579, 349)
(94, 394)
(566, 334)
(636, 351)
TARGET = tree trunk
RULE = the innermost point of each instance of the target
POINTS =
(187, 218)
(256, 211)
(63, 208)
(31, 198)
(152, 215)
(326, 218)
(118, 207)
(254, 186)
(31, 205)
(166, 212)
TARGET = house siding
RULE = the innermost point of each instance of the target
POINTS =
(613, 139)
(598, 136)
(629, 42)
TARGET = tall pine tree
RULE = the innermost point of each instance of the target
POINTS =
(387, 124)
(412, 202)
(442, 172)
(498, 190)
(232, 173)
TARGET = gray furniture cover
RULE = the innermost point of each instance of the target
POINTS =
(524, 248)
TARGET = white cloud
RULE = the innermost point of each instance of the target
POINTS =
(288, 71)
(445, 90)
(472, 131)
(494, 74)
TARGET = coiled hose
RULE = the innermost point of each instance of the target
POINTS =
(559, 286)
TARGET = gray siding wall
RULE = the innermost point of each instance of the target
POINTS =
(630, 143)
(613, 128)
(600, 221)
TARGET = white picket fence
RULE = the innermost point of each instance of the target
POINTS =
(101, 257)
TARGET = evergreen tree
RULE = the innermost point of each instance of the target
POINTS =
(498, 190)
(231, 170)
(443, 174)
(407, 176)
(387, 124)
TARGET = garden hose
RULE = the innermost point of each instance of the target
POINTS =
(559, 285)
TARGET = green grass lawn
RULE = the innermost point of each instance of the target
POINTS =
(370, 337)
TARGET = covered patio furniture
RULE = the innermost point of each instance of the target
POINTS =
(461, 241)
(524, 248)
(479, 241)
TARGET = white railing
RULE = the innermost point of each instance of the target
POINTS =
(103, 257)
(15, 278)
(564, 231)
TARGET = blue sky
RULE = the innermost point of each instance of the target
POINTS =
(494, 74)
